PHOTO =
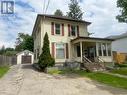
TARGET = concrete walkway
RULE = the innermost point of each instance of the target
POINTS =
(24, 80)
(115, 74)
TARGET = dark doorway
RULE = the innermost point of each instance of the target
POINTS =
(78, 51)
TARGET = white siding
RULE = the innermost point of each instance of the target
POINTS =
(19, 58)
(120, 45)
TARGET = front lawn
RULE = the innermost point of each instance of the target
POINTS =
(3, 70)
(98, 76)
(122, 71)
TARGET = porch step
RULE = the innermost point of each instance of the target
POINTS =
(94, 67)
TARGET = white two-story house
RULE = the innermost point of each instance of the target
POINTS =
(69, 39)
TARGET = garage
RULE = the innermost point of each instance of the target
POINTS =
(25, 57)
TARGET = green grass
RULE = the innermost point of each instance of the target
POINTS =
(122, 65)
(98, 76)
(122, 71)
(3, 70)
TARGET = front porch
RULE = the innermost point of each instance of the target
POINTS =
(91, 48)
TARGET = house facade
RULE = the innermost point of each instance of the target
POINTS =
(69, 40)
(120, 43)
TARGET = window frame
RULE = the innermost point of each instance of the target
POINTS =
(64, 48)
(75, 30)
(56, 28)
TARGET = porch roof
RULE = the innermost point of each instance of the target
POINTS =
(92, 39)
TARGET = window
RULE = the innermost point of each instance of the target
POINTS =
(35, 54)
(104, 49)
(60, 51)
(73, 30)
(57, 29)
(99, 49)
(109, 49)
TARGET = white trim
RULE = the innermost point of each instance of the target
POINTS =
(75, 32)
(25, 51)
(81, 50)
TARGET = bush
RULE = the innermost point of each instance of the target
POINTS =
(45, 59)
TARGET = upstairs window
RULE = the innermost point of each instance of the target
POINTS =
(73, 30)
(57, 29)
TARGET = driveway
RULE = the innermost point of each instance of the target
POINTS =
(24, 80)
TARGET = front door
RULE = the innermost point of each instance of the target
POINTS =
(90, 53)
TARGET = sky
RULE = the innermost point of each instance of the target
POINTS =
(101, 13)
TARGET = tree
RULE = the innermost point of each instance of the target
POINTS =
(45, 59)
(122, 4)
(28, 43)
(74, 10)
(24, 42)
(58, 12)
(7, 51)
(2, 50)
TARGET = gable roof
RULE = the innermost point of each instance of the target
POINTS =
(57, 17)
(115, 37)
(24, 51)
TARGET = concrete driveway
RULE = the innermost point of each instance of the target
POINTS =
(24, 80)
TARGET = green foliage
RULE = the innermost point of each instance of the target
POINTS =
(122, 4)
(2, 50)
(45, 59)
(58, 12)
(7, 51)
(3, 70)
(122, 71)
(10, 53)
(24, 42)
(74, 10)
(28, 44)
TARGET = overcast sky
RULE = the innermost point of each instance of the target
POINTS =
(101, 13)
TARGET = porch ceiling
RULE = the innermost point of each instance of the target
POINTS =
(90, 39)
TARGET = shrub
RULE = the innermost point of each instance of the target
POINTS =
(45, 59)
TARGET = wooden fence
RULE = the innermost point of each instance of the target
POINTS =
(8, 60)
(119, 57)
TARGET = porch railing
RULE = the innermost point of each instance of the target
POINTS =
(100, 59)
(86, 60)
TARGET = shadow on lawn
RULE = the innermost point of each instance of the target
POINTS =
(75, 75)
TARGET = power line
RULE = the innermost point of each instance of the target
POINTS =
(47, 6)
(44, 7)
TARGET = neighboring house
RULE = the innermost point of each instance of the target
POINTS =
(120, 43)
(25, 57)
(69, 39)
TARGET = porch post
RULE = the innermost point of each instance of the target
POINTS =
(97, 49)
(106, 49)
(81, 50)
(102, 49)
